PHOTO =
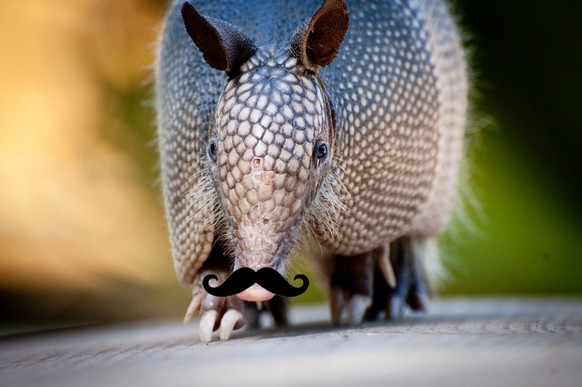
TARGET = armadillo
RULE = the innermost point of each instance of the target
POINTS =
(334, 129)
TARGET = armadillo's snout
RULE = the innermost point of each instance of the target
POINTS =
(255, 293)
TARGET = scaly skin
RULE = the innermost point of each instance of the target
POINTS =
(241, 149)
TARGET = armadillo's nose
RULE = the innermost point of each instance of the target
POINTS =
(255, 293)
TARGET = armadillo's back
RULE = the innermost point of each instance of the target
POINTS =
(399, 87)
(186, 93)
(450, 67)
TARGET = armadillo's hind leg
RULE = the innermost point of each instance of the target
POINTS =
(411, 289)
(351, 285)
(216, 313)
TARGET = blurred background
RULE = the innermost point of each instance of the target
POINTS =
(82, 233)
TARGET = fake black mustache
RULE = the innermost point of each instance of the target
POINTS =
(245, 277)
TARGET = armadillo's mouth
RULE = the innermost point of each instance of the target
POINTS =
(250, 285)
(255, 293)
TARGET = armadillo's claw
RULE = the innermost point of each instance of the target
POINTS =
(385, 267)
(410, 290)
(418, 299)
(351, 287)
(394, 307)
(359, 304)
(207, 323)
(229, 321)
(225, 313)
(380, 283)
(193, 307)
(337, 305)
(356, 306)
(213, 319)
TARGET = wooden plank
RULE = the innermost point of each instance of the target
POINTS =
(476, 342)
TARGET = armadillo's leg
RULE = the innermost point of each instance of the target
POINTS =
(224, 313)
(410, 290)
(277, 306)
(351, 283)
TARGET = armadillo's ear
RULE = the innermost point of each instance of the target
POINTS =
(224, 46)
(317, 42)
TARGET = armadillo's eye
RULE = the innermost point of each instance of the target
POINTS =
(320, 152)
(212, 148)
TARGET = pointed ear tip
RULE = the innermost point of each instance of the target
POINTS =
(188, 11)
(186, 6)
(334, 35)
(337, 3)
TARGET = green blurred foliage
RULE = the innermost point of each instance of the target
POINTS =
(526, 60)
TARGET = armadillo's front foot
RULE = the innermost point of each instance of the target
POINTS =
(224, 313)
(410, 290)
(352, 283)
(230, 313)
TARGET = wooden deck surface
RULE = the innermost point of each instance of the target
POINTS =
(462, 342)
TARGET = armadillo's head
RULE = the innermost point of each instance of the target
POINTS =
(271, 147)
(271, 144)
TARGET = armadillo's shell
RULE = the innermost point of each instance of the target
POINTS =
(402, 103)
(398, 86)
